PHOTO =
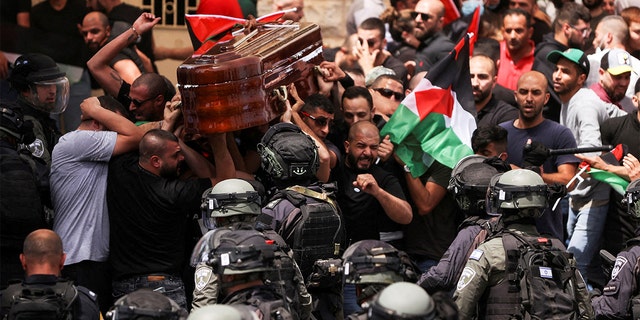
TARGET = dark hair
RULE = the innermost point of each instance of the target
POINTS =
(153, 143)
(357, 92)
(518, 12)
(398, 23)
(155, 83)
(487, 47)
(317, 100)
(373, 24)
(570, 13)
(637, 86)
(111, 104)
(484, 135)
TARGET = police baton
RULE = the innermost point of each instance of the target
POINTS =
(557, 152)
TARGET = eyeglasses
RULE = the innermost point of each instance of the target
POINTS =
(423, 16)
(320, 121)
(388, 93)
(584, 31)
(139, 103)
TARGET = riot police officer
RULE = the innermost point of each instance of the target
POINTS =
(491, 284)
(234, 204)
(372, 265)
(469, 182)
(620, 298)
(241, 260)
(42, 90)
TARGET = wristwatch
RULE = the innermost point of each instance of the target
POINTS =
(406, 169)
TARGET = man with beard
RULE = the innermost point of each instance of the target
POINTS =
(531, 126)
(149, 208)
(516, 50)
(96, 31)
(570, 30)
(369, 197)
(491, 111)
(583, 112)
(612, 33)
(434, 44)
(616, 68)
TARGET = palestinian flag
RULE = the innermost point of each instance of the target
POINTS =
(451, 12)
(613, 157)
(436, 120)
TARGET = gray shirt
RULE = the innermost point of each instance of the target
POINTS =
(583, 115)
(80, 162)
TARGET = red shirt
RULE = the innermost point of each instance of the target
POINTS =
(510, 71)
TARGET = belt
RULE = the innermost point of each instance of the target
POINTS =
(152, 278)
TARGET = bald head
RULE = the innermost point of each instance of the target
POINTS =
(366, 128)
(153, 143)
(431, 6)
(533, 77)
(42, 253)
(96, 17)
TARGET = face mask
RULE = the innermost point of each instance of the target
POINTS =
(470, 5)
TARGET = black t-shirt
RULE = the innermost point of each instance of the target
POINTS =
(363, 214)
(55, 33)
(620, 226)
(430, 235)
(148, 217)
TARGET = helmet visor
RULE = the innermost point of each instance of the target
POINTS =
(51, 96)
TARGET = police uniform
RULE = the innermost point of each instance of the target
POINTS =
(486, 268)
(615, 301)
(85, 306)
(445, 275)
(207, 283)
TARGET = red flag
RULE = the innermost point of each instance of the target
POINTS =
(451, 12)
(215, 28)
(474, 28)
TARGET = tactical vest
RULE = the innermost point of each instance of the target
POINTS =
(543, 285)
(40, 301)
(314, 230)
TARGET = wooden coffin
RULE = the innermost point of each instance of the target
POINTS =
(231, 86)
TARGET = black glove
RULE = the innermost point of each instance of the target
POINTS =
(556, 191)
(534, 154)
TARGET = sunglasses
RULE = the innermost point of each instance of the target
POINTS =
(320, 121)
(423, 16)
(370, 42)
(388, 93)
(139, 103)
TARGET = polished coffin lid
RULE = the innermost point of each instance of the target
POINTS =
(231, 86)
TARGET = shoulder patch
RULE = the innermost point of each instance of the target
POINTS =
(465, 278)
(271, 205)
(476, 254)
(92, 295)
(202, 277)
(620, 263)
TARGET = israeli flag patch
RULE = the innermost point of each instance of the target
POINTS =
(476, 254)
(546, 272)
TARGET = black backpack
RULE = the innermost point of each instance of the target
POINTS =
(315, 229)
(42, 302)
(21, 208)
(540, 270)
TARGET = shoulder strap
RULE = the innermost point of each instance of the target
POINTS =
(512, 254)
(321, 196)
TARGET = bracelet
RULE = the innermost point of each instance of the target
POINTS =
(135, 32)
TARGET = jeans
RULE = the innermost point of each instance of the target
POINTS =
(350, 297)
(585, 231)
(170, 286)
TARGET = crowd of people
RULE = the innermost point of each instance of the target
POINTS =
(109, 210)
